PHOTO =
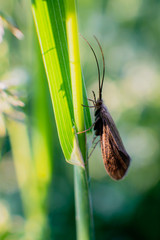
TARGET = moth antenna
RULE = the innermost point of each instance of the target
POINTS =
(100, 91)
(96, 61)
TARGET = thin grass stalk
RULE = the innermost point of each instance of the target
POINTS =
(84, 221)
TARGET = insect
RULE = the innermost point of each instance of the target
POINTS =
(115, 157)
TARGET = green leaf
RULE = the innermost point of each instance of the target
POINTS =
(50, 18)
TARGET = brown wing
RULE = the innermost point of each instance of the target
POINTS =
(115, 157)
(108, 120)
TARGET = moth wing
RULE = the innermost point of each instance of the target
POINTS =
(115, 157)
(116, 164)
(108, 120)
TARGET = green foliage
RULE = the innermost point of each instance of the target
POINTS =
(62, 65)
(50, 17)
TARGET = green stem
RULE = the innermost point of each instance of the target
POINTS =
(84, 220)
(83, 205)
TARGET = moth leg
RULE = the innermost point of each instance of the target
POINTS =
(89, 127)
(94, 139)
(91, 100)
(87, 106)
(93, 148)
(94, 95)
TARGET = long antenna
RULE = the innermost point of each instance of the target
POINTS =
(100, 91)
(100, 85)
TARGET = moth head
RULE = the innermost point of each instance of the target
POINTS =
(99, 103)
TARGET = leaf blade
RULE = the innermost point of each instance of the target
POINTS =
(49, 19)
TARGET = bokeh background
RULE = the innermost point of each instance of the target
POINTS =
(41, 205)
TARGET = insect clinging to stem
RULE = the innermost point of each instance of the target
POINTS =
(115, 157)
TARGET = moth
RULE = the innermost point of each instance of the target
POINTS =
(115, 157)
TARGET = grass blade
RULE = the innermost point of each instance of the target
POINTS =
(49, 20)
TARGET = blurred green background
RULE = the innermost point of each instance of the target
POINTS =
(36, 184)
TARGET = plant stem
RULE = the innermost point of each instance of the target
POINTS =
(83, 205)
(84, 220)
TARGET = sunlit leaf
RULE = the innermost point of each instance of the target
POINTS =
(49, 17)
